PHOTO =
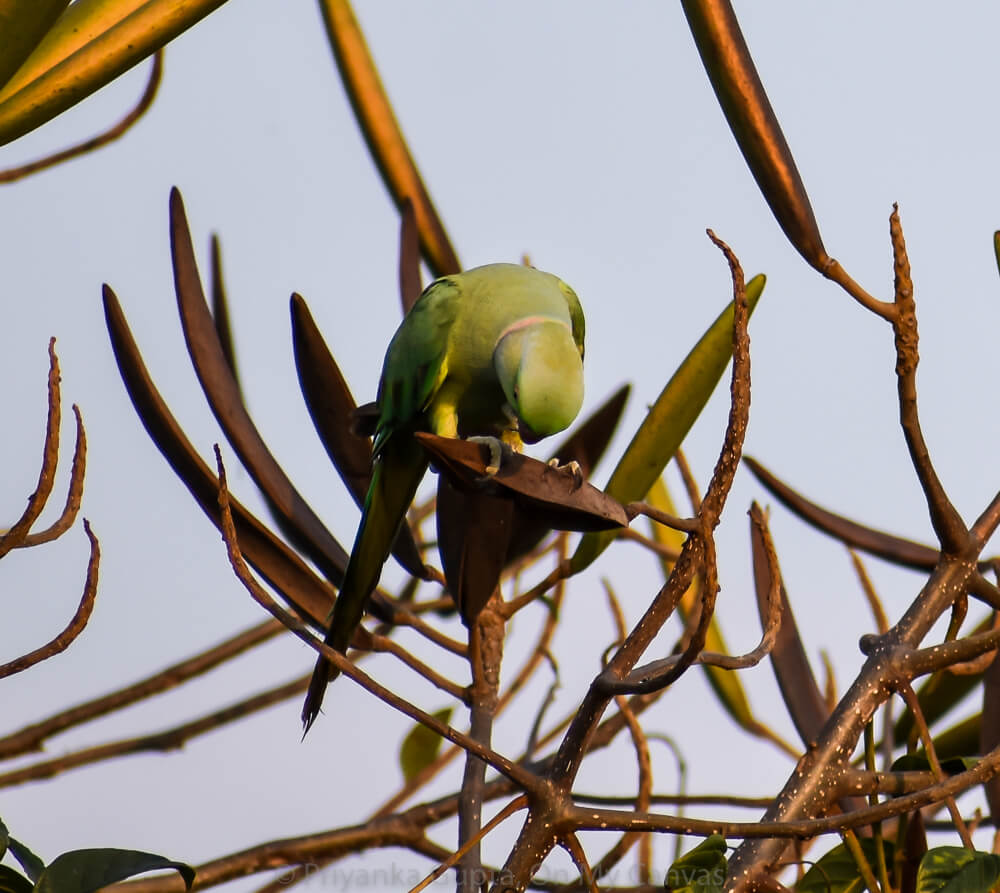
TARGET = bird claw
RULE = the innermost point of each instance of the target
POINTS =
(496, 447)
(572, 467)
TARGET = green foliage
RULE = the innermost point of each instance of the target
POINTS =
(78, 871)
(954, 869)
(918, 762)
(88, 46)
(701, 870)
(837, 872)
(12, 882)
(82, 871)
(32, 865)
(421, 745)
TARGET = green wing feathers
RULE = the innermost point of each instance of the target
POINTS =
(395, 478)
(476, 348)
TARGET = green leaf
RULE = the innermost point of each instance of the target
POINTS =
(669, 420)
(701, 870)
(13, 882)
(954, 869)
(421, 745)
(837, 872)
(83, 871)
(32, 865)
(918, 762)
(23, 24)
(91, 43)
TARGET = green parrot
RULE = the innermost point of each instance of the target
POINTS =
(494, 354)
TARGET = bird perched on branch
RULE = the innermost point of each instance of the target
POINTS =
(493, 354)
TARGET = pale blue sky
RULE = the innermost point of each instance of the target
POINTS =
(590, 139)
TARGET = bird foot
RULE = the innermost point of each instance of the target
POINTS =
(572, 467)
(496, 448)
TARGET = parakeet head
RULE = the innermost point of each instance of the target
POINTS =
(540, 370)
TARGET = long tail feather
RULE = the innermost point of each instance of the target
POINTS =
(395, 479)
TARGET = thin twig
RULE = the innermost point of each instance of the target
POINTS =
(514, 806)
(687, 476)
(79, 620)
(861, 862)
(913, 703)
(834, 271)
(102, 139)
(662, 551)
(521, 776)
(169, 739)
(74, 494)
(385, 645)
(874, 602)
(15, 536)
(651, 676)
(685, 525)
(30, 738)
(558, 573)
(572, 845)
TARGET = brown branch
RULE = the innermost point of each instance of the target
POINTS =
(61, 642)
(921, 661)
(537, 836)
(668, 553)
(486, 635)
(572, 845)
(589, 819)
(948, 525)
(656, 674)
(857, 782)
(74, 494)
(685, 525)
(405, 830)
(560, 572)
(642, 801)
(30, 737)
(102, 139)
(384, 645)
(166, 740)
(836, 273)
(514, 806)
(528, 781)
(15, 536)
(506, 698)
(677, 800)
(687, 476)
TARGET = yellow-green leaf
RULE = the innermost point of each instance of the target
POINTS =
(669, 420)
(383, 134)
(421, 745)
(954, 869)
(23, 23)
(92, 43)
(700, 870)
(837, 872)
